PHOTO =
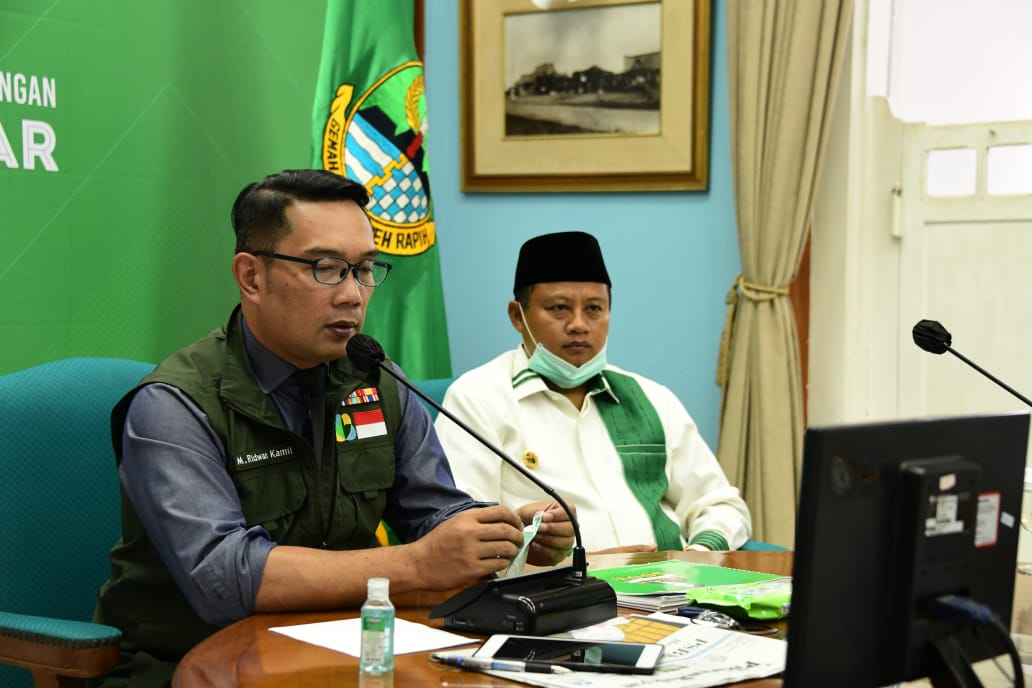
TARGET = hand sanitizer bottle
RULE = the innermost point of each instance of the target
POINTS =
(377, 629)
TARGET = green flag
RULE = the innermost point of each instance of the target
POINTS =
(369, 124)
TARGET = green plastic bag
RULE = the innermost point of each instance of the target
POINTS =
(763, 600)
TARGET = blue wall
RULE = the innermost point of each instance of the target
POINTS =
(672, 256)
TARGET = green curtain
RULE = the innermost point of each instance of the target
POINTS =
(369, 124)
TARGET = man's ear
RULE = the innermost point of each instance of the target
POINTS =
(514, 315)
(249, 273)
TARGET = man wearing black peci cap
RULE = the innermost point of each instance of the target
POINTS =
(619, 445)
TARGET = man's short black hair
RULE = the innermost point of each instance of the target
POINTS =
(259, 213)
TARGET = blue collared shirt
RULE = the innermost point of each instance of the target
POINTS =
(174, 470)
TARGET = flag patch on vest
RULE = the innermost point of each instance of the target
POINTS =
(360, 425)
(363, 395)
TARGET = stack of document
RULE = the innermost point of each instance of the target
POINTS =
(658, 602)
(666, 585)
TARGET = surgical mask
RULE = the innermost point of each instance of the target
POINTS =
(562, 373)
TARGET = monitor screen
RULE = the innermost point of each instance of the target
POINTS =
(891, 516)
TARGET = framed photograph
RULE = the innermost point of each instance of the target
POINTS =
(585, 95)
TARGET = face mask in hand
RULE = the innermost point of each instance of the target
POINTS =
(563, 374)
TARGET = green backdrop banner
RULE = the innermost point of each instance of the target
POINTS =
(128, 128)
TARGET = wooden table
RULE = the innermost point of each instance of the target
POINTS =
(247, 654)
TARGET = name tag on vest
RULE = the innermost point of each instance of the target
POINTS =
(263, 457)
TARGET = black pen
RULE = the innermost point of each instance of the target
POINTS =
(485, 664)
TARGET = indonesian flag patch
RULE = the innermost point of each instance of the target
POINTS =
(360, 425)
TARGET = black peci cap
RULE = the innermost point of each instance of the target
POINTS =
(560, 257)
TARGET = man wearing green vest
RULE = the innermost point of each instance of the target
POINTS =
(256, 463)
(619, 445)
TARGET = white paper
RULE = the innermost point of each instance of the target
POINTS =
(345, 635)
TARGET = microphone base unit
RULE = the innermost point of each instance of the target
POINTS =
(539, 603)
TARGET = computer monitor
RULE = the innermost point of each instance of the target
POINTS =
(891, 516)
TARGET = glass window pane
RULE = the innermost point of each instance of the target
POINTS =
(1009, 170)
(950, 172)
(931, 79)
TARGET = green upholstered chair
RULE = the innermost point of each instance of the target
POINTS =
(434, 389)
(59, 510)
(760, 546)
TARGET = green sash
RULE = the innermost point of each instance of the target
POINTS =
(638, 437)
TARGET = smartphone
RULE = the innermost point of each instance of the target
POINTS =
(580, 655)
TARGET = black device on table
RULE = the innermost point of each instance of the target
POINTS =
(905, 550)
(580, 655)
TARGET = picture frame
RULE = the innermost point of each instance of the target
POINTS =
(539, 113)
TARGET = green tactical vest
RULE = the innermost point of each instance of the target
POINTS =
(275, 473)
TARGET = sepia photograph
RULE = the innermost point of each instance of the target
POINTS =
(585, 95)
(583, 71)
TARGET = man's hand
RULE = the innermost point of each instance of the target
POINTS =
(555, 533)
(467, 547)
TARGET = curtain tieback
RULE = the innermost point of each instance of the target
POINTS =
(753, 292)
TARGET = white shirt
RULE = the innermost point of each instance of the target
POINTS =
(575, 455)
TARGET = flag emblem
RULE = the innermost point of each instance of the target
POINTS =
(360, 425)
(383, 149)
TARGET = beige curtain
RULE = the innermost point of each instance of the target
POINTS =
(784, 57)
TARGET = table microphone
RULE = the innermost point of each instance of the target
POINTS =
(539, 603)
(934, 338)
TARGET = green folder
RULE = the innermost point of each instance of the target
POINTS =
(674, 576)
(666, 585)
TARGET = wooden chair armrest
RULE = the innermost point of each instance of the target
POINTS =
(53, 648)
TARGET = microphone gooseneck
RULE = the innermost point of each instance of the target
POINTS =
(366, 354)
(931, 336)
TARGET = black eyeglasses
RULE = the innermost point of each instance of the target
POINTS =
(331, 271)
